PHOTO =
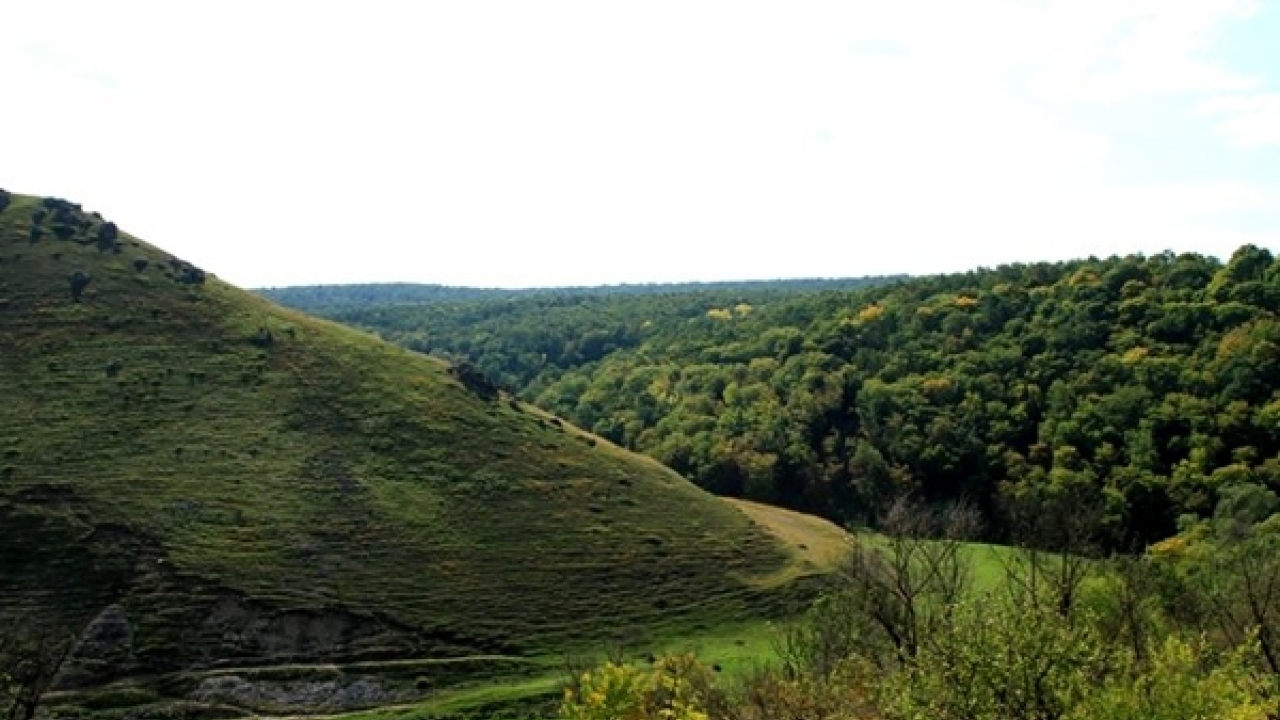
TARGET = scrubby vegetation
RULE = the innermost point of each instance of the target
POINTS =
(908, 632)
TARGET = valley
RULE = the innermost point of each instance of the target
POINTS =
(880, 498)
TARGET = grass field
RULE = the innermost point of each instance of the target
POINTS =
(218, 483)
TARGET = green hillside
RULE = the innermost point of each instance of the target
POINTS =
(194, 478)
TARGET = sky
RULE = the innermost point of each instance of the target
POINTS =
(516, 144)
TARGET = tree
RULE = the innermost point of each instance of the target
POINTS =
(1241, 583)
(474, 380)
(29, 662)
(894, 593)
(79, 281)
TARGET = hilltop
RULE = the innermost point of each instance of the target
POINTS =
(193, 478)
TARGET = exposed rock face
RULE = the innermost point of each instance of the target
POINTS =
(245, 629)
(103, 651)
(298, 695)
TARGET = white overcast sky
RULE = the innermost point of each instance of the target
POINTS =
(548, 143)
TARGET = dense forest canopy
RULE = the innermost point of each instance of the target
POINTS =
(1129, 390)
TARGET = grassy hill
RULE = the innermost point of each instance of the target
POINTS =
(194, 479)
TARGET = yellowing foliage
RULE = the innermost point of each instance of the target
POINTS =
(1135, 356)
(1240, 340)
(870, 313)
(720, 314)
(1175, 546)
(742, 309)
(610, 692)
(1083, 277)
(678, 687)
(965, 301)
(935, 386)
(1175, 685)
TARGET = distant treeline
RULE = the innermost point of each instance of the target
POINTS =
(1133, 389)
(324, 298)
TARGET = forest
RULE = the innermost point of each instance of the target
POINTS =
(1135, 391)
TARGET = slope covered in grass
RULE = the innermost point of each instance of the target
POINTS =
(202, 479)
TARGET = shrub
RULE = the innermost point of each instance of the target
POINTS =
(678, 687)
(79, 281)
(262, 339)
(1000, 660)
(191, 275)
(611, 692)
(4, 200)
(1183, 681)
(475, 380)
(108, 234)
(773, 693)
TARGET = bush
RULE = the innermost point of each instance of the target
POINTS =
(262, 339)
(1183, 681)
(4, 200)
(108, 234)
(191, 275)
(610, 692)
(475, 380)
(678, 687)
(79, 281)
(1000, 660)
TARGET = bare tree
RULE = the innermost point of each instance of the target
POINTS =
(1057, 533)
(1242, 590)
(29, 663)
(1133, 601)
(895, 591)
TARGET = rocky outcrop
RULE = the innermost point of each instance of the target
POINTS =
(346, 693)
(104, 650)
